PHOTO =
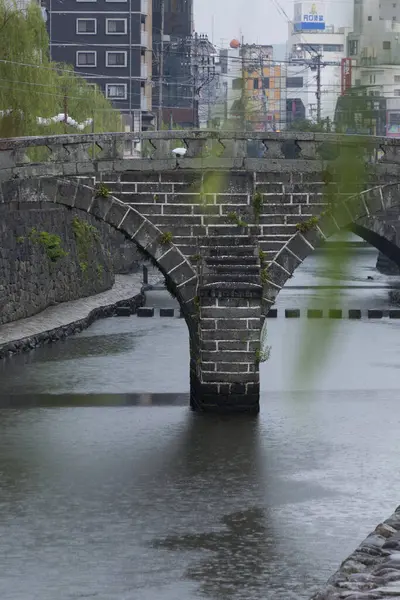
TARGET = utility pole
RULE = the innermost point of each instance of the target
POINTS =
(318, 92)
(264, 96)
(196, 89)
(243, 99)
(161, 66)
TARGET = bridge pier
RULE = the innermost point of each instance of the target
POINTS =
(224, 374)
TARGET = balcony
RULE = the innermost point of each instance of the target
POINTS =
(143, 71)
(144, 9)
(143, 103)
(144, 39)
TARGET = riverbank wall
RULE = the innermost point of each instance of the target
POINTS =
(58, 322)
(373, 570)
(49, 255)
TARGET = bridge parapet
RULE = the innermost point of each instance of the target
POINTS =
(91, 154)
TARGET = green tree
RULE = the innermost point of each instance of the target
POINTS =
(32, 86)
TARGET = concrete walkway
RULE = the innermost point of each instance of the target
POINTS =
(66, 313)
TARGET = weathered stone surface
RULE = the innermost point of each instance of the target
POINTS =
(30, 281)
(372, 571)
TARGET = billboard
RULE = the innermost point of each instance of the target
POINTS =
(309, 16)
(346, 69)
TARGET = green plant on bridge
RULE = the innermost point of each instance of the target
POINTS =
(233, 217)
(264, 275)
(51, 242)
(100, 271)
(166, 238)
(102, 191)
(258, 202)
(263, 353)
(86, 237)
(305, 226)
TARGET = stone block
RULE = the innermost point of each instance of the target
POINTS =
(240, 324)
(131, 223)
(167, 312)
(146, 234)
(123, 311)
(375, 314)
(228, 356)
(272, 313)
(313, 313)
(100, 207)
(230, 377)
(335, 313)
(83, 198)
(188, 290)
(231, 313)
(355, 313)
(394, 313)
(292, 313)
(66, 192)
(230, 334)
(116, 213)
(171, 259)
(145, 311)
(236, 367)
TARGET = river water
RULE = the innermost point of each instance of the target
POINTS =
(111, 489)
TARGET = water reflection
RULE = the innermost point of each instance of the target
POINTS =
(238, 555)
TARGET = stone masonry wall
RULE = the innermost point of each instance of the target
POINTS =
(30, 281)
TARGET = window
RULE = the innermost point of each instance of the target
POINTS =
(294, 82)
(116, 59)
(397, 92)
(86, 59)
(386, 45)
(353, 47)
(86, 26)
(397, 78)
(237, 84)
(369, 18)
(333, 47)
(266, 83)
(116, 26)
(116, 91)
(255, 84)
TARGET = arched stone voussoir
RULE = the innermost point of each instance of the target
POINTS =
(179, 273)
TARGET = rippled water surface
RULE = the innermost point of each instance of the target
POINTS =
(110, 488)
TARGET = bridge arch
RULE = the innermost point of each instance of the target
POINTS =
(180, 276)
(351, 213)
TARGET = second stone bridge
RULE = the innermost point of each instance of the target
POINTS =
(226, 231)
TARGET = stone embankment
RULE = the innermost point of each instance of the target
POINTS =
(58, 322)
(373, 570)
(51, 255)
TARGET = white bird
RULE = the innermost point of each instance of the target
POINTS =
(179, 152)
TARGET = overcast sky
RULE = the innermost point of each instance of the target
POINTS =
(258, 20)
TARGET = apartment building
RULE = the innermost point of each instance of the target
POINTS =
(109, 42)
(178, 85)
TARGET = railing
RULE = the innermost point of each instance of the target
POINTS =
(144, 39)
(143, 70)
(213, 149)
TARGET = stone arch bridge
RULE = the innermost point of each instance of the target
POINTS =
(227, 229)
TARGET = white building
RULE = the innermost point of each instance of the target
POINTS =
(374, 47)
(309, 37)
(229, 90)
